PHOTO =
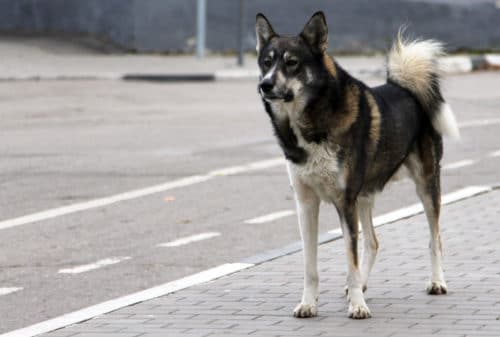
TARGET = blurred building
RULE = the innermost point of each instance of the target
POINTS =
(170, 25)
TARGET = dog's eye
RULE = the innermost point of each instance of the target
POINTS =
(268, 62)
(291, 63)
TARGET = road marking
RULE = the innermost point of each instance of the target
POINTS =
(101, 202)
(478, 122)
(201, 277)
(494, 154)
(255, 166)
(270, 217)
(92, 266)
(189, 239)
(141, 296)
(9, 290)
(459, 164)
(417, 208)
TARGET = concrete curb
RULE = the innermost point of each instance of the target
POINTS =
(456, 64)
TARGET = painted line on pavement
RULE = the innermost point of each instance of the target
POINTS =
(494, 154)
(189, 239)
(478, 122)
(459, 164)
(141, 296)
(93, 266)
(220, 271)
(9, 290)
(134, 194)
(270, 217)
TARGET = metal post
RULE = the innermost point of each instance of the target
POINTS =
(241, 34)
(201, 29)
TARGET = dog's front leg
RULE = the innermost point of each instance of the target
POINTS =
(308, 208)
(349, 219)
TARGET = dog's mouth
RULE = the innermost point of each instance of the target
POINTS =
(287, 97)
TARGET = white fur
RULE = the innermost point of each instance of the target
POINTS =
(307, 210)
(370, 245)
(413, 63)
(445, 123)
(270, 73)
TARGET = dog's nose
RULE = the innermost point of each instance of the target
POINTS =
(266, 86)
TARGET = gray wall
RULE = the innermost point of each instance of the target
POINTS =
(169, 25)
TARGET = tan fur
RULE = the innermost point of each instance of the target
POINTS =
(375, 121)
(329, 65)
(412, 64)
(348, 117)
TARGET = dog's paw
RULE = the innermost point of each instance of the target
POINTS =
(359, 311)
(304, 310)
(437, 288)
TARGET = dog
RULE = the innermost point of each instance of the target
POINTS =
(344, 141)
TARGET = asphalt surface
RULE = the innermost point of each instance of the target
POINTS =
(65, 142)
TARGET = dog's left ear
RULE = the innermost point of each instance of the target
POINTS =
(315, 32)
(263, 30)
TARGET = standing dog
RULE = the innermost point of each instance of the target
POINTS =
(344, 141)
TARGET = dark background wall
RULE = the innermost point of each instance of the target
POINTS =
(170, 25)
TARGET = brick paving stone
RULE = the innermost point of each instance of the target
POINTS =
(259, 301)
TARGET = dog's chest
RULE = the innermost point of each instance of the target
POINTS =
(321, 171)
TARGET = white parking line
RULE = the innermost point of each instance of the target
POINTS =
(459, 164)
(189, 239)
(9, 290)
(92, 266)
(478, 122)
(117, 303)
(494, 154)
(270, 217)
(187, 181)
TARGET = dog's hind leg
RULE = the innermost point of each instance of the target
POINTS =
(425, 172)
(350, 228)
(370, 242)
(308, 209)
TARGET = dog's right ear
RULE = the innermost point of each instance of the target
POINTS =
(263, 31)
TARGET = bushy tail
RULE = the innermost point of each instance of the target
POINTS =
(413, 65)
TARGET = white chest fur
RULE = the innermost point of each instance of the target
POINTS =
(321, 171)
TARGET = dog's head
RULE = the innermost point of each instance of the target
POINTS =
(291, 66)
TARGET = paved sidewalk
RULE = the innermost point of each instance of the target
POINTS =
(259, 301)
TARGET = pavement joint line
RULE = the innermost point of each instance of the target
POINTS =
(189, 239)
(93, 266)
(270, 217)
(9, 290)
(223, 270)
(138, 193)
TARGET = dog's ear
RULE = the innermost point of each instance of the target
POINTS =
(263, 30)
(315, 32)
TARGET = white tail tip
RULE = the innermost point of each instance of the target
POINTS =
(445, 123)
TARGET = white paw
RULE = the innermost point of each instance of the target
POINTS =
(437, 288)
(304, 310)
(359, 311)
